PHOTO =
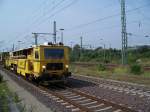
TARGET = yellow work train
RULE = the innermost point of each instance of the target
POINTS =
(41, 62)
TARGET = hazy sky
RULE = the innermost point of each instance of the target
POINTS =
(93, 19)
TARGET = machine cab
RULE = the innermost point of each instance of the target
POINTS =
(52, 60)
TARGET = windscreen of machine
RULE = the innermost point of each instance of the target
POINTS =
(53, 53)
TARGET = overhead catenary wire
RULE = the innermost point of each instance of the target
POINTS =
(48, 11)
(35, 13)
(52, 15)
(104, 18)
(103, 28)
(39, 7)
(37, 20)
(58, 11)
(28, 28)
(145, 16)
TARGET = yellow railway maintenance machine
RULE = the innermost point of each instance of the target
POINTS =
(41, 63)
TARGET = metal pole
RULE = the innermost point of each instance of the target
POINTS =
(71, 45)
(19, 44)
(36, 41)
(81, 39)
(124, 33)
(62, 35)
(35, 36)
(110, 51)
(13, 47)
(54, 32)
(81, 46)
(104, 53)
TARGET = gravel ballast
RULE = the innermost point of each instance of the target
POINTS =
(139, 103)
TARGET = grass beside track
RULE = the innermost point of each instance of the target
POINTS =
(4, 97)
(119, 73)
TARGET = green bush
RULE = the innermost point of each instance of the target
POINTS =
(101, 67)
(121, 70)
(1, 78)
(107, 61)
(136, 69)
(16, 98)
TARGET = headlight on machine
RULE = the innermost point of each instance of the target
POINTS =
(44, 67)
(67, 66)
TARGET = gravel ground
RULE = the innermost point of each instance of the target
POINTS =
(114, 82)
(38, 95)
(141, 104)
(27, 99)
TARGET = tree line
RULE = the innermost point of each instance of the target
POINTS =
(111, 55)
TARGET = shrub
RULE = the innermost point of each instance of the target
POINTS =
(101, 67)
(1, 78)
(121, 70)
(16, 98)
(106, 61)
(136, 69)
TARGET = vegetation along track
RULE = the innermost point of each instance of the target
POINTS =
(69, 99)
(122, 87)
(109, 66)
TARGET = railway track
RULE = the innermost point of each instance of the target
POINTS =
(128, 90)
(69, 99)
(122, 87)
(78, 101)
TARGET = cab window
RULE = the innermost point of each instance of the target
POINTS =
(36, 55)
(53, 53)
